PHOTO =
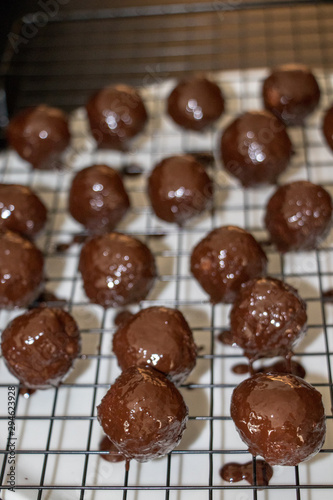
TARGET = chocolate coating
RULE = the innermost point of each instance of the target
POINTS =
(195, 103)
(328, 127)
(39, 135)
(116, 114)
(158, 337)
(21, 210)
(98, 199)
(21, 271)
(291, 92)
(179, 189)
(227, 257)
(143, 414)
(268, 318)
(255, 148)
(299, 216)
(280, 417)
(39, 346)
(116, 269)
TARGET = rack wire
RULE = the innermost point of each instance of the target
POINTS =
(79, 51)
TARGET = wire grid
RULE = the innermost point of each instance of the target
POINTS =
(58, 435)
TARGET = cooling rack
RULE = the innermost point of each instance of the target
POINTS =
(77, 52)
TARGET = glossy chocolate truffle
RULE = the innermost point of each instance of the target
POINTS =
(116, 269)
(39, 346)
(116, 114)
(255, 148)
(98, 199)
(227, 257)
(291, 92)
(39, 135)
(280, 417)
(21, 271)
(299, 216)
(268, 318)
(179, 189)
(328, 127)
(158, 337)
(195, 103)
(143, 414)
(21, 210)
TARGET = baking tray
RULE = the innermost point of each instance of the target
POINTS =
(57, 448)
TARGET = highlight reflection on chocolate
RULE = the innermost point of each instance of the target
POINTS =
(179, 188)
(227, 257)
(116, 115)
(255, 148)
(280, 417)
(21, 271)
(21, 210)
(291, 92)
(39, 346)
(299, 216)
(117, 269)
(39, 135)
(195, 103)
(98, 199)
(143, 414)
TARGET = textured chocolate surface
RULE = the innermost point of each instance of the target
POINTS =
(39, 135)
(21, 271)
(227, 257)
(39, 346)
(291, 92)
(98, 199)
(328, 127)
(268, 318)
(280, 417)
(116, 269)
(21, 210)
(143, 414)
(158, 337)
(255, 148)
(195, 103)
(116, 114)
(179, 189)
(299, 216)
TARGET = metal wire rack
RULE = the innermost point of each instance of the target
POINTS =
(77, 52)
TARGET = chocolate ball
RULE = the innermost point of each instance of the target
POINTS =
(39, 135)
(143, 414)
(158, 337)
(116, 269)
(179, 189)
(98, 199)
(21, 210)
(255, 148)
(116, 115)
(227, 257)
(328, 127)
(280, 417)
(268, 318)
(195, 103)
(291, 92)
(39, 346)
(21, 271)
(298, 216)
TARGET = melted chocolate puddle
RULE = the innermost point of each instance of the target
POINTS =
(234, 472)
(206, 158)
(113, 455)
(281, 366)
(122, 317)
(226, 337)
(328, 296)
(25, 392)
(76, 240)
(48, 299)
(131, 169)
